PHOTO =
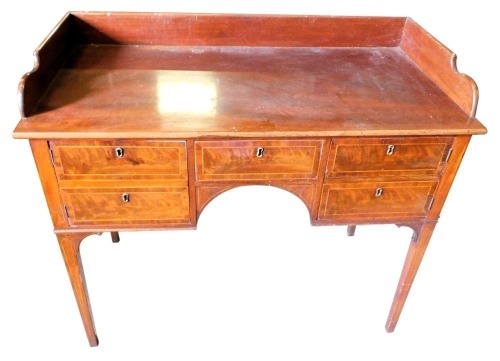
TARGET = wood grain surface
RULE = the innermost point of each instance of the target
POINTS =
(138, 120)
(237, 29)
(388, 156)
(239, 160)
(135, 159)
(153, 92)
(372, 199)
(144, 206)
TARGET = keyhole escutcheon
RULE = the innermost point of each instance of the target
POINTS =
(260, 152)
(390, 149)
(119, 152)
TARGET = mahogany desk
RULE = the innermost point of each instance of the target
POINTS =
(138, 120)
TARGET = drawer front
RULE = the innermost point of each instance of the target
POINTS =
(82, 160)
(376, 156)
(388, 199)
(127, 205)
(257, 159)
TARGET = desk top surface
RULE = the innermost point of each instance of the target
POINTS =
(152, 91)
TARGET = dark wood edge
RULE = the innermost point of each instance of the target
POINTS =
(48, 58)
(124, 228)
(416, 227)
(323, 169)
(87, 14)
(48, 179)
(440, 64)
(473, 128)
(191, 164)
(360, 221)
(459, 147)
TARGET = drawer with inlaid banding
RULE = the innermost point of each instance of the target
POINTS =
(257, 159)
(388, 156)
(125, 205)
(119, 159)
(376, 199)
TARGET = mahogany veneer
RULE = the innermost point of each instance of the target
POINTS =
(136, 159)
(257, 159)
(138, 120)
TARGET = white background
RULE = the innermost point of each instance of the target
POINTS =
(256, 281)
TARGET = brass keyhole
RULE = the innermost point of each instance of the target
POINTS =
(260, 152)
(390, 149)
(378, 192)
(119, 152)
(125, 197)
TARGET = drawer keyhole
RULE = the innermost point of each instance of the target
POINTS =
(390, 149)
(378, 192)
(125, 197)
(260, 152)
(119, 152)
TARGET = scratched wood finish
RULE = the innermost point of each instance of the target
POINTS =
(241, 29)
(135, 159)
(143, 205)
(440, 65)
(388, 156)
(240, 160)
(119, 60)
(361, 199)
(277, 92)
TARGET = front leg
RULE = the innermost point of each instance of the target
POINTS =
(70, 248)
(420, 240)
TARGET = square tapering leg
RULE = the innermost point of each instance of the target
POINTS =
(70, 248)
(416, 251)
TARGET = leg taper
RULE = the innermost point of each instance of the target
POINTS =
(70, 248)
(115, 237)
(414, 256)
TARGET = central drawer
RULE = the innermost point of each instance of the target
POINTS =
(126, 205)
(257, 159)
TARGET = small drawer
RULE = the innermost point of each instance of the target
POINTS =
(127, 205)
(372, 199)
(257, 159)
(388, 156)
(120, 159)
